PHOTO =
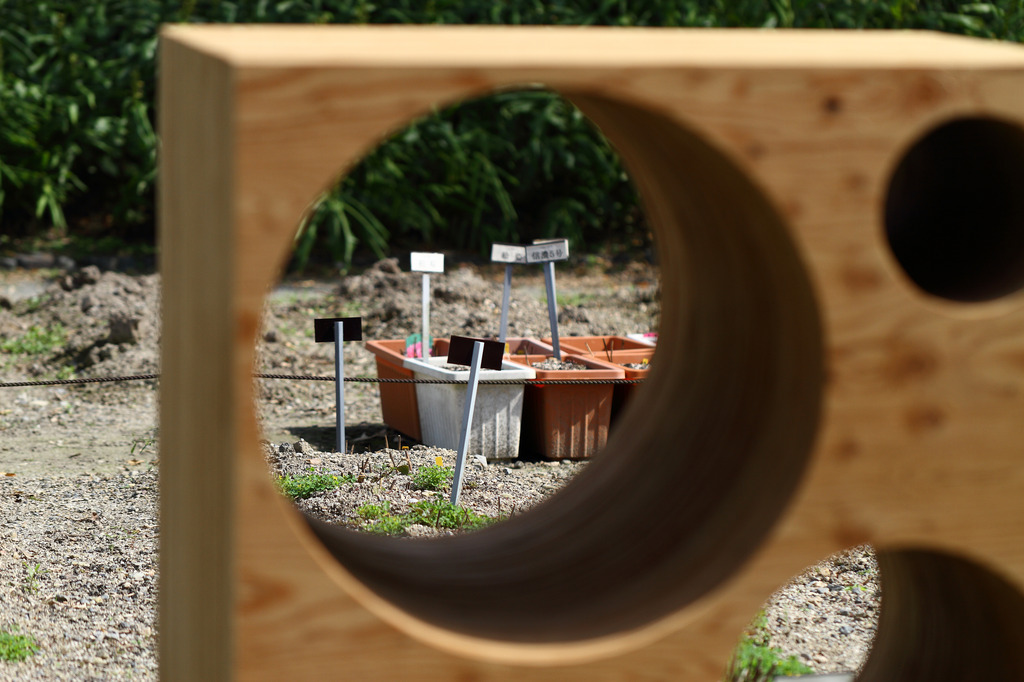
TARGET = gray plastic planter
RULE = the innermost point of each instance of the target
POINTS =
(498, 415)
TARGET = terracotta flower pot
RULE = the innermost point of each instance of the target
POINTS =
(623, 393)
(601, 347)
(564, 421)
(398, 404)
(517, 345)
(521, 345)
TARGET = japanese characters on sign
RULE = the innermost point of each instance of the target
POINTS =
(508, 253)
(548, 251)
(544, 251)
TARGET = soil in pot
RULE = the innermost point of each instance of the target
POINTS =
(603, 347)
(555, 364)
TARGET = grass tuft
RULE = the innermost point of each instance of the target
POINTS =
(444, 514)
(36, 341)
(432, 477)
(301, 487)
(754, 660)
(432, 513)
(16, 647)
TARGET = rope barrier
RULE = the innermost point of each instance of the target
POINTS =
(307, 377)
(94, 380)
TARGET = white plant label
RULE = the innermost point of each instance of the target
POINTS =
(548, 251)
(508, 253)
(420, 261)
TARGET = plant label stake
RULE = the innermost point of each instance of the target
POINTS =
(426, 263)
(507, 254)
(543, 251)
(338, 330)
(476, 353)
(548, 251)
(506, 294)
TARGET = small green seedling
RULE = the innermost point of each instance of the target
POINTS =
(141, 445)
(35, 303)
(36, 341)
(387, 525)
(16, 647)
(444, 514)
(754, 660)
(432, 513)
(372, 511)
(301, 487)
(380, 520)
(32, 573)
(432, 477)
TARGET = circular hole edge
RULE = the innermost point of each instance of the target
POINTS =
(945, 617)
(714, 447)
(954, 212)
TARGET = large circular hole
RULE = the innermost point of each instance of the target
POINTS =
(954, 214)
(945, 618)
(717, 440)
(387, 481)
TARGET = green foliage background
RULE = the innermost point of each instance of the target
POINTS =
(77, 120)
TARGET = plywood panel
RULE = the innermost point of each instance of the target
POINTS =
(823, 400)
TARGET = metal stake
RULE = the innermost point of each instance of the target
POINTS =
(549, 283)
(424, 342)
(505, 296)
(467, 420)
(339, 384)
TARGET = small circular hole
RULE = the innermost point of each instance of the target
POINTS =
(944, 618)
(954, 214)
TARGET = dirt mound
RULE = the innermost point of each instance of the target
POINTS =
(466, 300)
(86, 323)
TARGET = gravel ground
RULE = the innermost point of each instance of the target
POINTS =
(78, 465)
(492, 489)
(79, 575)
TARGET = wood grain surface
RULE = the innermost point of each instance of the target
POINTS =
(810, 396)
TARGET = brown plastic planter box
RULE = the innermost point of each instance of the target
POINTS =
(566, 421)
(517, 345)
(398, 404)
(623, 393)
(521, 345)
(600, 347)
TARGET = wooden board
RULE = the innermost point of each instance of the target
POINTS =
(810, 396)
